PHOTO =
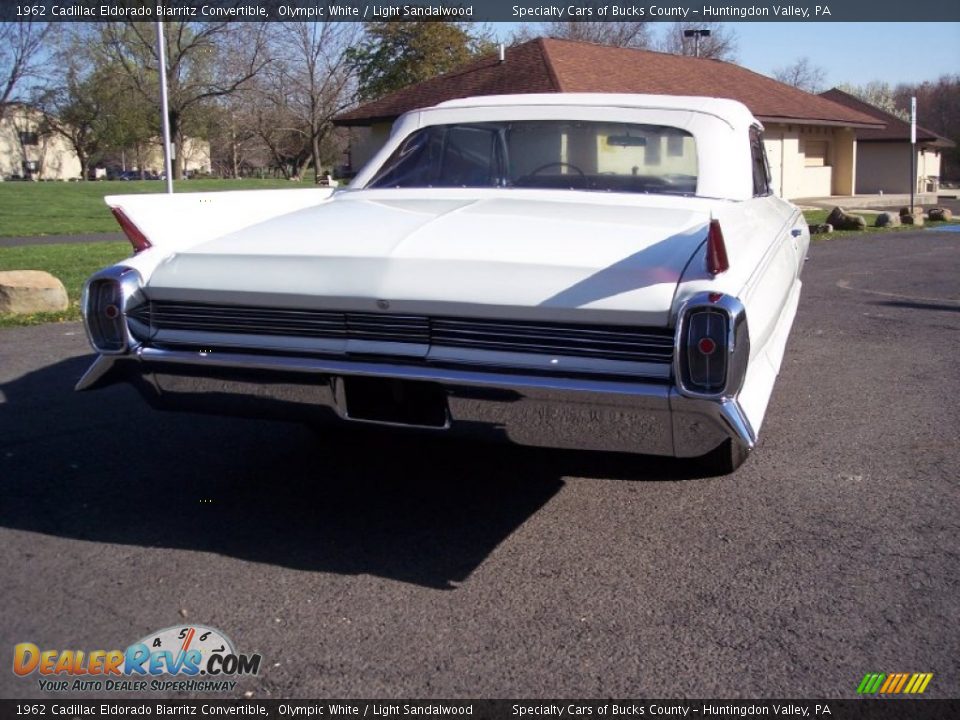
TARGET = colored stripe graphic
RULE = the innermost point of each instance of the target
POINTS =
(870, 683)
(894, 683)
(900, 683)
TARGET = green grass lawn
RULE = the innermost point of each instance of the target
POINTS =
(28, 209)
(73, 263)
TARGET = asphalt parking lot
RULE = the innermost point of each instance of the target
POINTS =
(390, 566)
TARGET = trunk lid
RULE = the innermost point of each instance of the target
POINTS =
(523, 257)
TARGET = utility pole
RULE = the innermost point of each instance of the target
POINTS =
(913, 150)
(164, 105)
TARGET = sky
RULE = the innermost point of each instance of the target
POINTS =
(853, 53)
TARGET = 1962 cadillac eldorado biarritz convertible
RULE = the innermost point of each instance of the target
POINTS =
(606, 272)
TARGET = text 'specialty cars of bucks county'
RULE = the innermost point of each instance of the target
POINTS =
(605, 272)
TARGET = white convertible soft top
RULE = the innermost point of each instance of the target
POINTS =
(733, 112)
(719, 126)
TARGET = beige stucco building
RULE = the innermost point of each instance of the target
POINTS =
(884, 155)
(811, 160)
(27, 149)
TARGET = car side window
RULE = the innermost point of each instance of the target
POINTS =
(469, 158)
(761, 166)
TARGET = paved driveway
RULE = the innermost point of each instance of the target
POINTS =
(388, 566)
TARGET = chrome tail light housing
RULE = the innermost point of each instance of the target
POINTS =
(107, 296)
(712, 346)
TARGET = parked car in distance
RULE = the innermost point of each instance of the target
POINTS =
(606, 272)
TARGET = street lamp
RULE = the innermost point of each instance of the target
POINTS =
(696, 34)
(164, 104)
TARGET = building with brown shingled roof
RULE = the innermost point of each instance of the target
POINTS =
(883, 155)
(810, 140)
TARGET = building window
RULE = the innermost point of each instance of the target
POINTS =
(29, 138)
(815, 153)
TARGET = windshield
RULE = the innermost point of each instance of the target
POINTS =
(555, 154)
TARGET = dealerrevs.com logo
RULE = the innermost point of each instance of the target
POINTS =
(199, 658)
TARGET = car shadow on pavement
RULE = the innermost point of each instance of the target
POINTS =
(103, 467)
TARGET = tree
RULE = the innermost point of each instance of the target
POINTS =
(21, 46)
(91, 105)
(311, 81)
(77, 110)
(803, 75)
(877, 93)
(394, 55)
(720, 44)
(938, 109)
(205, 61)
(616, 33)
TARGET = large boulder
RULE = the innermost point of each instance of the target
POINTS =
(842, 220)
(939, 214)
(30, 291)
(886, 219)
(909, 219)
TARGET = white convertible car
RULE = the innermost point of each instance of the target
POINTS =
(606, 272)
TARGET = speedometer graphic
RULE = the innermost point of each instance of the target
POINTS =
(181, 639)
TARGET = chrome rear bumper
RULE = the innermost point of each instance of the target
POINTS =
(563, 412)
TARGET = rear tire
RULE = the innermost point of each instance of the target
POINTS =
(724, 459)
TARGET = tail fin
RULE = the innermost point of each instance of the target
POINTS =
(175, 222)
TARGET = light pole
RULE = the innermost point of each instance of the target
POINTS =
(696, 34)
(913, 149)
(164, 105)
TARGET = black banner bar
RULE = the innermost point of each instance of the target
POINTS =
(482, 10)
(67, 708)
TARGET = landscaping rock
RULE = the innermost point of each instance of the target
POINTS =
(842, 220)
(887, 220)
(909, 219)
(30, 291)
(820, 228)
(938, 214)
(904, 211)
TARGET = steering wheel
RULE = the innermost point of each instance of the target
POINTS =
(559, 164)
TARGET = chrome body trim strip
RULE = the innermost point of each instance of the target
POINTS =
(101, 366)
(253, 326)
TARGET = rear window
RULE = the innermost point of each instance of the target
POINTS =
(554, 154)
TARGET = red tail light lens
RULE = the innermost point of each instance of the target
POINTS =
(716, 250)
(706, 346)
(705, 369)
(136, 238)
(712, 346)
(103, 317)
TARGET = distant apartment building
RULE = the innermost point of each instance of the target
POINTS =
(30, 149)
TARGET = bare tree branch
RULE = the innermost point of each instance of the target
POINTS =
(802, 74)
(21, 44)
